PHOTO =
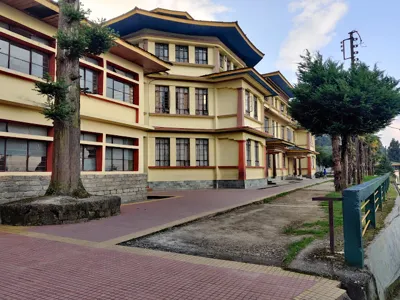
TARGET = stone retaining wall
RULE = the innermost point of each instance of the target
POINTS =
(208, 184)
(130, 187)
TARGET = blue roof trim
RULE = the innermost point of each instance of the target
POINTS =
(254, 76)
(282, 84)
(228, 35)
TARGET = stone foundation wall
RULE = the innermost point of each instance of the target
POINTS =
(130, 187)
(182, 185)
(208, 184)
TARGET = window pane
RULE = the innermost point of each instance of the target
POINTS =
(18, 128)
(3, 126)
(16, 152)
(117, 165)
(27, 129)
(37, 58)
(108, 165)
(37, 71)
(92, 137)
(108, 153)
(19, 65)
(2, 154)
(117, 153)
(118, 140)
(89, 158)
(109, 93)
(110, 83)
(20, 53)
(109, 139)
(128, 160)
(37, 156)
(19, 59)
(4, 51)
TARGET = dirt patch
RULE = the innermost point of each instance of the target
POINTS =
(253, 234)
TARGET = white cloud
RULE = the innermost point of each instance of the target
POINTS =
(388, 133)
(199, 9)
(314, 24)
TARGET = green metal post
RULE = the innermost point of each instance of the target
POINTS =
(352, 229)
(381, 196)
(372, 216)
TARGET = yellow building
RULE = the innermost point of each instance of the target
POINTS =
(176, 99)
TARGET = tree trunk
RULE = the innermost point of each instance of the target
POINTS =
(353, 174)
(369, 160)
(337, 169)
(345, 160)
(359, 173)
(362, 160)
(65, 177)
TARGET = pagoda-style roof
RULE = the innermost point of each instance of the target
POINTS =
(177, 22)
(48, 11)
(281, 81)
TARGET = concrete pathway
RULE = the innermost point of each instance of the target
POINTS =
(82, 261)
(139, 219)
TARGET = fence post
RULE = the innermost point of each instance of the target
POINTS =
(381, 196)
(372, 215)
(352, 228)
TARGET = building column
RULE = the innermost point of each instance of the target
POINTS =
(300, 170)
(295, 166)
(309, 166)
(266, 162)
(240, 108)
(242, 160)
(274, 165)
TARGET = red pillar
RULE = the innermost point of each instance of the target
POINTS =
(242, 160)
(99, 154)
(240, 108)
(50, 149)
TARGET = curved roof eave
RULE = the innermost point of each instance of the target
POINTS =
(281, 82)
(229, 33)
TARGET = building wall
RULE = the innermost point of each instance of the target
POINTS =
(130, 187)
(228, 166)
(100, 114)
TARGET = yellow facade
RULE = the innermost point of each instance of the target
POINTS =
(202, 116)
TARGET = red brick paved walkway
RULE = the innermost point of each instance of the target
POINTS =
(139, 217)
(33, 268)
(81, 261)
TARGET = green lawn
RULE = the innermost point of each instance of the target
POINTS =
(369, 177)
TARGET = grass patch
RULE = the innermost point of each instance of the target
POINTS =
(314, 230)
(295, 248)
(369, 177)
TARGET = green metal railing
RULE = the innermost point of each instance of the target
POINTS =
(360, 206)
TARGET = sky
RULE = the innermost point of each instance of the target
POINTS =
(284, 29)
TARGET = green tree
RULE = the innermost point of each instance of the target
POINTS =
(324, 158)
(75, 38)
(385, 166)
(331, 100)
(394, 151)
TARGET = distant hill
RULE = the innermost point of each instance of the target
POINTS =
(323, 141)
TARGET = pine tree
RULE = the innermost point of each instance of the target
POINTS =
(385, 166)
(75, 38)
(331, 100)
(394, 151)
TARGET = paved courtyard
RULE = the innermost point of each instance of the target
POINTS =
(82, 261)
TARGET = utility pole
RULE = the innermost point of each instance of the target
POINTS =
(353, 44)
(352, 169)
